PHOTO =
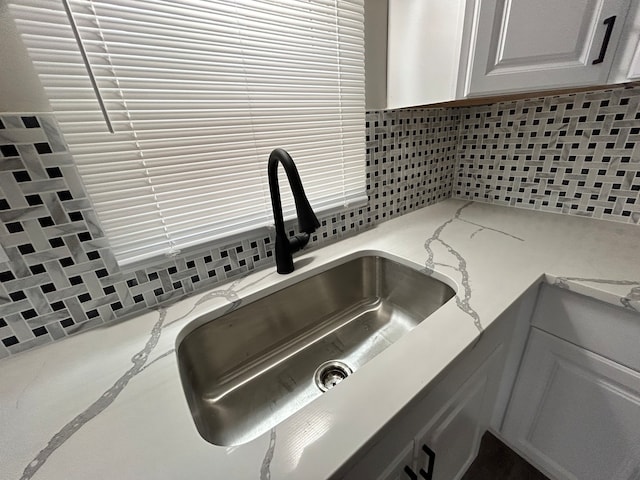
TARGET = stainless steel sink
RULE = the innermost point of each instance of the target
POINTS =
(246, 371)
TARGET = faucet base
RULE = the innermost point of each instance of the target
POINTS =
(283, 270)
(283, 254)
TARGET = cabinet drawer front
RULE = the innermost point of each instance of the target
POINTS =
(610, 331)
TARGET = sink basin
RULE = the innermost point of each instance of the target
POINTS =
(246, 371)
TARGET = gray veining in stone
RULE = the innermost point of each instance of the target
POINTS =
(626, 301)
(29, 384)
(159, 357)
(482, 227)
(463, 301)
(230, 294)
(107, 398)
(265, 468)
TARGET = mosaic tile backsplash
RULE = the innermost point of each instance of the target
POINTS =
(58, 276)
(577, 154)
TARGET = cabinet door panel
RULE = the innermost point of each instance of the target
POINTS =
(556, 42)
(396, 470)
(634, 69)
(522, 45)
(454, 431)
(574, 413)
(450, 416)
(385, 460)
(457, 427)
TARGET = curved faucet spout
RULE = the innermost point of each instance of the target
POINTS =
(307, 220)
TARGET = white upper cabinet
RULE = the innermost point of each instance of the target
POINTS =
(445, 50)
(520, 45)
(423, 51)
(634, 70)
(626, 64)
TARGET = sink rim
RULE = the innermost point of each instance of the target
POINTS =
(243, 427)
(207, 315)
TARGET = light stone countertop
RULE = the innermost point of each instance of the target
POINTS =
(108, 404)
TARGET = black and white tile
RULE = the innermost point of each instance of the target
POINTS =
(577, 154)
(59, 277)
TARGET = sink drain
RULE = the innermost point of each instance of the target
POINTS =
(331, 373)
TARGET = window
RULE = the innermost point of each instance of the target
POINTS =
(198, 93)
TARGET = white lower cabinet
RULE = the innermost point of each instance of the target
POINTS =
(575, 407)
(399, 467)
(575, 414)
(439, 435)
(454, 432)
(452, 420)
(570, 404)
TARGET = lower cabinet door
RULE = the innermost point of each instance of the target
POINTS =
(379, 463)
(449, 442)
(401, 468)
(574, 413)
(439, 436)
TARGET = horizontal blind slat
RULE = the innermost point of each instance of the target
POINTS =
(199, 93)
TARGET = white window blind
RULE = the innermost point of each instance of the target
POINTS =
(198, 94)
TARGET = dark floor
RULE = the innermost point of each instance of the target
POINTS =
(496, 461)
